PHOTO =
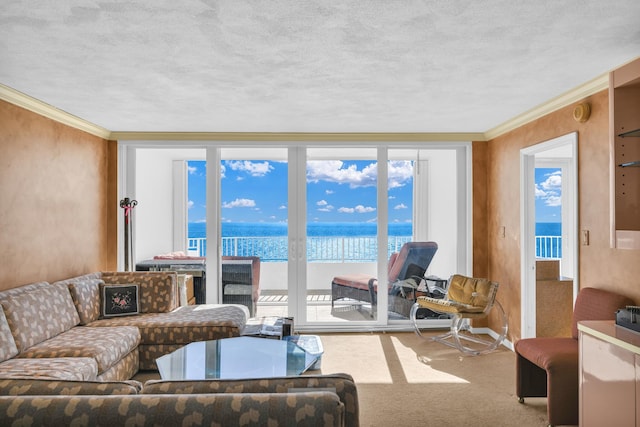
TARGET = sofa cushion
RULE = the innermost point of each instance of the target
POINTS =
(158, 290)
(63, 368)
(106, 345)
(317, 408)
(119, 300)
(39, 314)
(126, 368)
(43, 387)
(23, 289)
(8, 347)
(549, 353)
(185, 324)
(86, 298)
(342, 384)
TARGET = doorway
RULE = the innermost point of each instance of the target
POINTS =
(558, 153)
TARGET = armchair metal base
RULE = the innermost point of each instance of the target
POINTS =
(460, 335)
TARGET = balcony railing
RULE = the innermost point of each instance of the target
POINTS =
(549, 247)
(334, 248)
(319, 248)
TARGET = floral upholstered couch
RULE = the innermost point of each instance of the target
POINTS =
(313, 400)
(163, 324)
(60, 331)
(63, 362)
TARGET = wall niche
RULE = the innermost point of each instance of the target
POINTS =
(624, 103)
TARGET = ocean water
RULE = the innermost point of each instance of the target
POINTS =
(333, 229)
(350, 229)
(548, 229)
(332, 242)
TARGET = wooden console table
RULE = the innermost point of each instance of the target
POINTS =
(609, 375)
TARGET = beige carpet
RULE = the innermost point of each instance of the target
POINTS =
(404, 380)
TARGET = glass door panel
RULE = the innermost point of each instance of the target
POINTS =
(401, 169)
(341, 234)
(253, 216)
(197, 208)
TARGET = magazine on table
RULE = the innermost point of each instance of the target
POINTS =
(269, 327)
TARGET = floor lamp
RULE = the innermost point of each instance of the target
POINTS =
(128, 206)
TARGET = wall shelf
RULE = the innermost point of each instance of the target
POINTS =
(635, 164)
(631, 134)
(624, 123)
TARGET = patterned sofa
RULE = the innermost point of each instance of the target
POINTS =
(164, 325)
(63, 363)
(313, 400)
(56, 330)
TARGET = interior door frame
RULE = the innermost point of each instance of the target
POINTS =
(527, 222)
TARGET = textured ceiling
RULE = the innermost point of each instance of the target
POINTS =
(309, 66)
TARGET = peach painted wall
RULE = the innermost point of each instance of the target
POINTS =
(600, 266)
(54, 185)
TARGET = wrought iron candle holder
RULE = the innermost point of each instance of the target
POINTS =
(128, 206)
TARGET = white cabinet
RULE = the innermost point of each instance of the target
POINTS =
(609, 375)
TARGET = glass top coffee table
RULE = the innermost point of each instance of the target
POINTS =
(235, 358)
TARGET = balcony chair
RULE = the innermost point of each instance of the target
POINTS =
(467, 299)
(241, 281)
(411, 262)
(548, 366)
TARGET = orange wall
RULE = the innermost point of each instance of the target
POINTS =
(600, 266)
(54, 188)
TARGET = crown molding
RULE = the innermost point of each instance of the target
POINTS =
(587, 89)
(20, 99)
(25, 101)
(296, 136)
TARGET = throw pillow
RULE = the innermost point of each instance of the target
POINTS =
(86, 298)
(119, 300)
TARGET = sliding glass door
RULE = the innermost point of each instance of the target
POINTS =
(315, 215)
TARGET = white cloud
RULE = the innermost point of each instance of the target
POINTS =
(553, 201)
(324, 206)
(252, 168)
(190, 204)
(550, 190)
(328, 191)
(400, 173)
(240, 203)
(283, 207)
(192, 170)
(334, 171)
(363, 209)
(400, 206)
(357, 209)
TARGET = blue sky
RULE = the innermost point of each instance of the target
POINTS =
(337, 191)
(548, 192)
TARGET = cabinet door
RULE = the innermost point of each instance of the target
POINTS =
(607, 384)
